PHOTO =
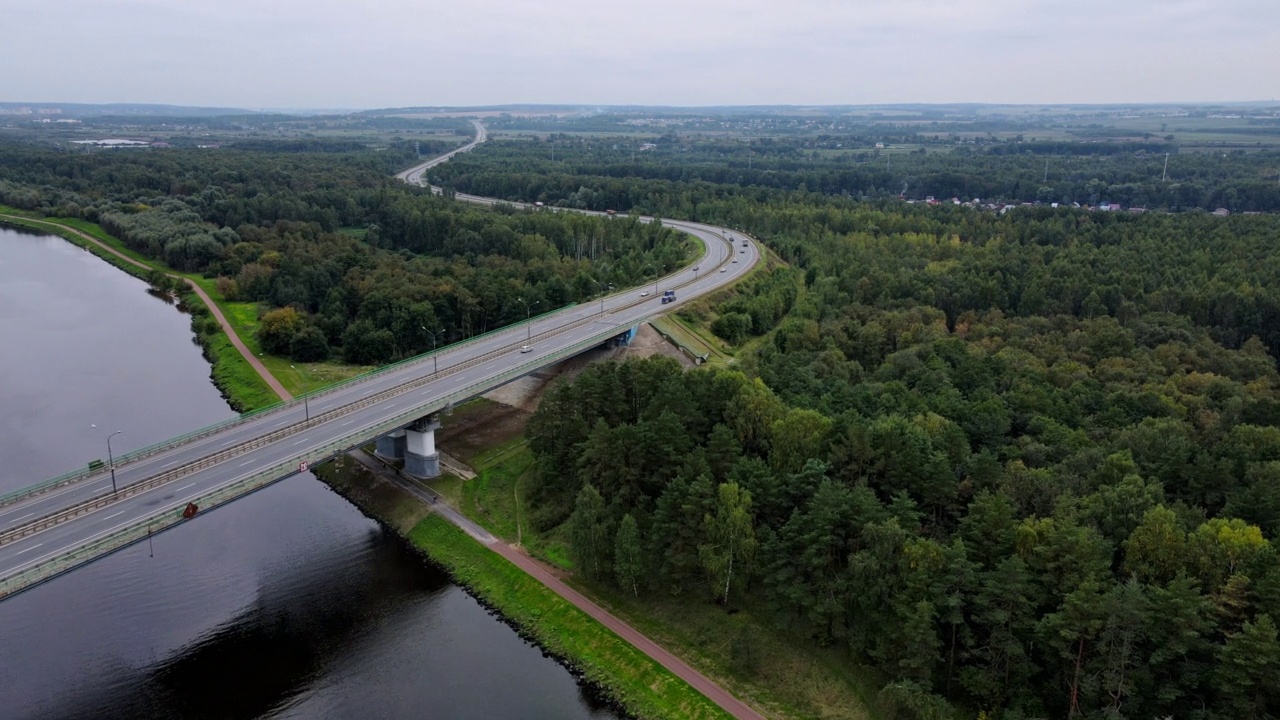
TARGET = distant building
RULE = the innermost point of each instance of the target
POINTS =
(1221, 212)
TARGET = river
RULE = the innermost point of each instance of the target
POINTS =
(288, 603)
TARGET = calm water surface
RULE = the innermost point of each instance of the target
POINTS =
(286, 604)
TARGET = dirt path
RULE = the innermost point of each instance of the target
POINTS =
(254, 362)
(678, 667)
(545, 575)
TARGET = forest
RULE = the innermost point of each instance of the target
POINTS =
(677, 173)
(344, 260)
(1025, 465)
(1022, 464)
(1029, 514)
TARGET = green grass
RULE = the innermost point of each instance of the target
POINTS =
(689, 336)
(245, 389)
(645, 688)
(791, 677)
(237, 379)
(492, 498)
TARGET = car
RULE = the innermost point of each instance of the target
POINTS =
(644, 293)
(695, 268)
(526, 348)
(724, 269)
(735, 259)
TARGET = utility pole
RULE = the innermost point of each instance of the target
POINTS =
(1046, 172)
(1165, 174)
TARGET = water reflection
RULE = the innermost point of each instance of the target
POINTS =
(286, 604)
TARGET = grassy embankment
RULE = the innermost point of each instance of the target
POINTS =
(743, 652)
(636, 682)
(244, 389)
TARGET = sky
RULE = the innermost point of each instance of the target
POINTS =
(299, 54)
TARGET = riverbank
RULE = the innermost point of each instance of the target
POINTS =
(248, 378)
(607, 663)
(745, 652)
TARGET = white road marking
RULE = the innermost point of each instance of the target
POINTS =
(166, 467)
(245, 463)
(33, 547)
(111, 516)
(27, 515)
(300, 441)
(347, 423)
(184, 487)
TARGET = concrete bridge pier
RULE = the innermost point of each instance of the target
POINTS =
(391, 446)
(420, 457)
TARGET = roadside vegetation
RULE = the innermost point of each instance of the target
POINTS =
(323, 264)
(745, 653)
(625, 675)
(1003, 462)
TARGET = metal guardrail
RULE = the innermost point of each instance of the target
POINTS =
(125, 458)
(219, 496)
(171, 516)
(176, 473)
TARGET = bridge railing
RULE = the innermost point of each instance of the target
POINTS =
(171, 516)
(124, 458)
(141, 453)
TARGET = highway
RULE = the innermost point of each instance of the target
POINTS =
(267, 447)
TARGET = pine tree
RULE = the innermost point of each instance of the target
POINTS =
(628, 558)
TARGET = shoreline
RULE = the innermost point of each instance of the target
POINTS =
(522, 601)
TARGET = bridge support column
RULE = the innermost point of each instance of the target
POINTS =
(420, 457)
(391, 446)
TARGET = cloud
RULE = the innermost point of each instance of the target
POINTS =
(331, 53)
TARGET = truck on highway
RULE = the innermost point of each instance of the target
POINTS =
(668, 296)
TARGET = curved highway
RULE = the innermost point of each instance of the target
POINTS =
(57, 529)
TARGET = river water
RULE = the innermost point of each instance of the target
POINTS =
(288, 603)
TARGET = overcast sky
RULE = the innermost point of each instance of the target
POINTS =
(383, 53)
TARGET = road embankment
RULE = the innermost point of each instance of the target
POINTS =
(615, 668)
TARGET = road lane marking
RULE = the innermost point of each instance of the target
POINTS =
(33, 547)
(184, 487)
(166, 467)
(300, 441)
(347, 423)
(111, 516)
(245, 463)
(27, 515)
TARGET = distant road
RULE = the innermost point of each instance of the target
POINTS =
(413, 175)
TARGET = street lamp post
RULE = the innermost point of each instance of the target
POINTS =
(306, 407)
(528, 315)
(604, 290)
(111, 460)
(435, 363)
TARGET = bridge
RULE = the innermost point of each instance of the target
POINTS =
(62, 523)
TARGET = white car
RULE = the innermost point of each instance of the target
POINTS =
(526, 348)
(644, 293)
(735, 259)
(724, 269)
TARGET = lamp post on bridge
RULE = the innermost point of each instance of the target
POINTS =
(604, 290)
(306, 408)
(528, 315)
(111, 460)
(435, 363)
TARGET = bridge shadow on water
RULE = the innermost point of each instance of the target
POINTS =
(259, 661)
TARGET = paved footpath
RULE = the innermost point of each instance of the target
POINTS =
(257, 365)
(539, 572)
